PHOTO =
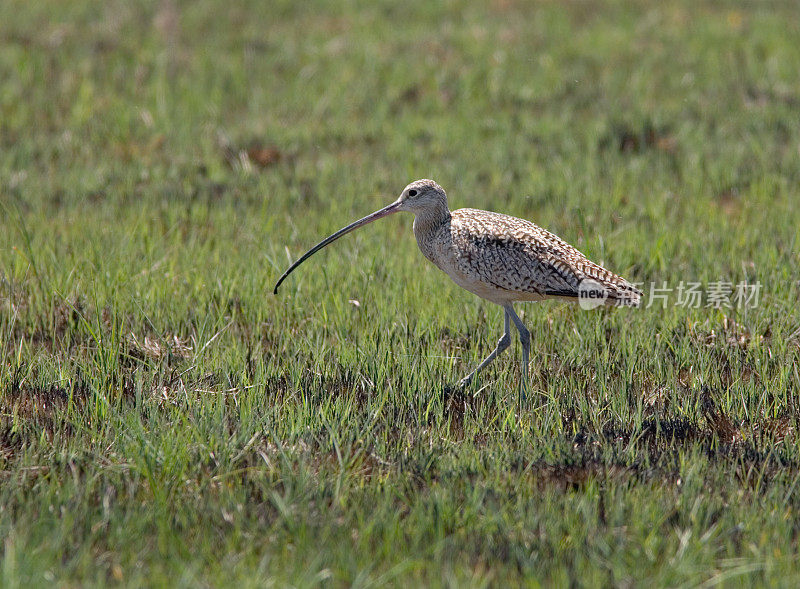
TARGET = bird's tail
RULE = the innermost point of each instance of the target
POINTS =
(623, 295)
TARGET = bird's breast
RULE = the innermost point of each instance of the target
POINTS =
(442, 249)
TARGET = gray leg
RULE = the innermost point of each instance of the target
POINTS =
(525, 340)
(504, 342)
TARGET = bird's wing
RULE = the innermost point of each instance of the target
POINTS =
(516, 255)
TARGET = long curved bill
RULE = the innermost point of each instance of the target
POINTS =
(392, 208)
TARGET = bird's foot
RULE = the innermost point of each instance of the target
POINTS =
(465, 382)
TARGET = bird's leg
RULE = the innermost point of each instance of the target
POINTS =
(525, 340)
(504, 342)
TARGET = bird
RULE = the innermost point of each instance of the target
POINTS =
(500, 258)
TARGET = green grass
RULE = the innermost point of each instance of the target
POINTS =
(166, 420)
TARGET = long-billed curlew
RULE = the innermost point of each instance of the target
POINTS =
(499, 258)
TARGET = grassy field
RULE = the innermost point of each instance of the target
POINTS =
(166, 420)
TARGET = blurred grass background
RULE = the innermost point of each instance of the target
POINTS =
(164, 419)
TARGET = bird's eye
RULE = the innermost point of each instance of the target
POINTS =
(412, 193)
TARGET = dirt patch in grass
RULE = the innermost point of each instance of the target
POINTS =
(168, 347)
(750, 449)
(631, 139)
(316, 388)
(255, 154)
(27, 412)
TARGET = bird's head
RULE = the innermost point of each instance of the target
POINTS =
(421, 196)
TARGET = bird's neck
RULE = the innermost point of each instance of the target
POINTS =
(431, 219)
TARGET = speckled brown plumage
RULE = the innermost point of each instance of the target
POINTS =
(505, 259)
(499, 258)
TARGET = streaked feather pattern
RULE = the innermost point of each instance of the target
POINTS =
(504, 258)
